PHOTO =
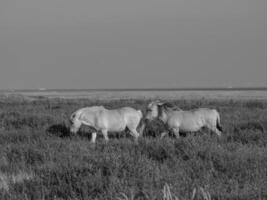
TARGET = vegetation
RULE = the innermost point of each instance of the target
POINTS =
(40, 159)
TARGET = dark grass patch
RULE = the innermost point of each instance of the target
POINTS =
(250, 126)
(59, 130)
(18, 120)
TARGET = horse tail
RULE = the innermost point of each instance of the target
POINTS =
(218, 123)
(141, 125)
(140, 113)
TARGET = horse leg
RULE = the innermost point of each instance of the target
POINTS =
(176, 132)
(93, 137)
(134, 133)
(215, 130)
(219, 133)
(105, 134)
(163, 134)
(212, 125)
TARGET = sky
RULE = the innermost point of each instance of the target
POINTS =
(81, 44)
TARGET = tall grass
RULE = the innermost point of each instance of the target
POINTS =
(39, 159)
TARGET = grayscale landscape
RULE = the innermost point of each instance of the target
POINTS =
(192, 72)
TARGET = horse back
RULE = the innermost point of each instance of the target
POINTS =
(131, 115)
(192, 118)
(209, 115)
(90, 114)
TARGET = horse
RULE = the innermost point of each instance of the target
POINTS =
(177, 120)
(105, 120)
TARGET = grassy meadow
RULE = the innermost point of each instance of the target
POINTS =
(40, 159)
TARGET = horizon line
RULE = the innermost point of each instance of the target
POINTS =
(136, 89)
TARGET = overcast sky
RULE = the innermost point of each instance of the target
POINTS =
(132, 44)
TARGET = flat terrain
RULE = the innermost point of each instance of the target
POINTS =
(40, 159)
(175, 94)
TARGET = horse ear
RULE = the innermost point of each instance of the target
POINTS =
(159, 103)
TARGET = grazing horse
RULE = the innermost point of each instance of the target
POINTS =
(178, 120)
(104, 120)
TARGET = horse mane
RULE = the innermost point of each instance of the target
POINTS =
(170, 106)
(167, 107)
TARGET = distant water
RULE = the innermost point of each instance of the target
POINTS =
(147, 93)
(140, 89)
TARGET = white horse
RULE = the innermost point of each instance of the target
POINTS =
(178, 120)
(104, 120)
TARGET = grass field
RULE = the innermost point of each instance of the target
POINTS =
(39, 159)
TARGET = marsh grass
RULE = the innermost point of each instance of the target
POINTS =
(39, 159)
